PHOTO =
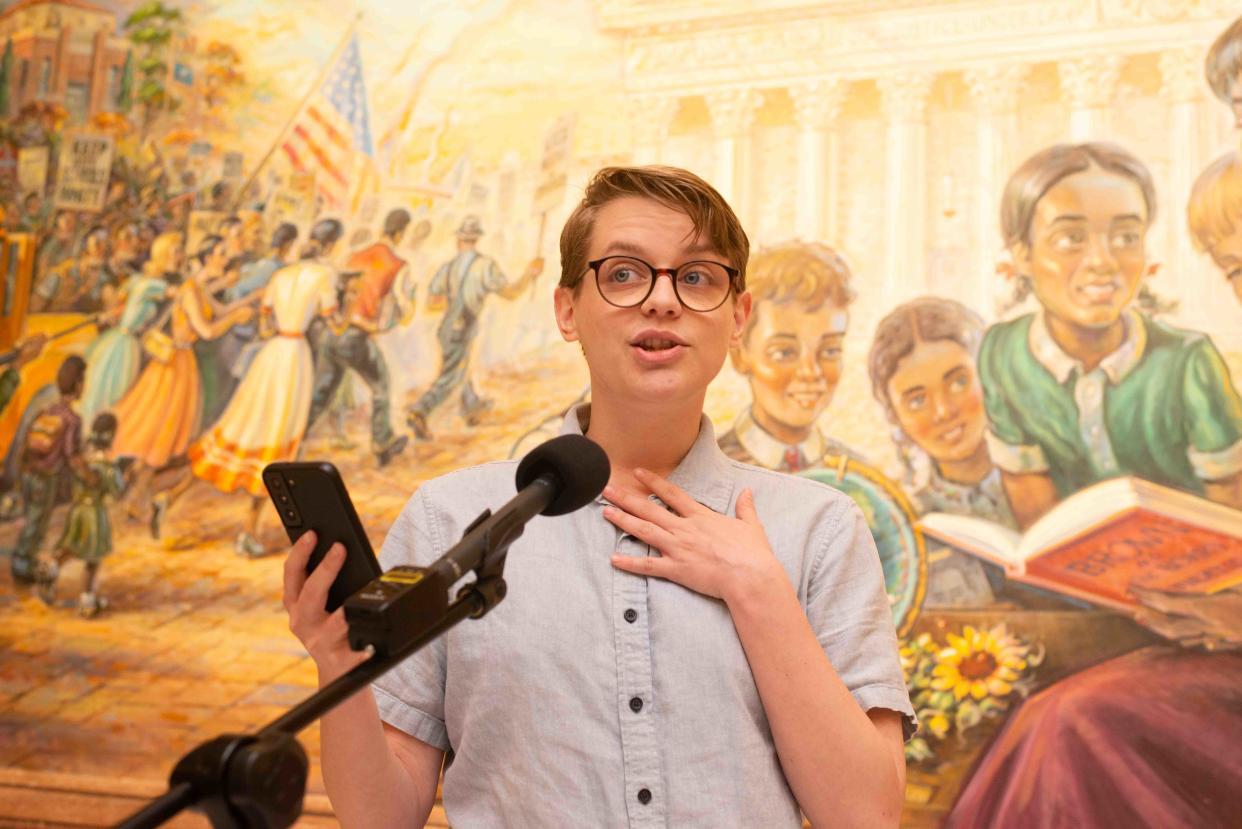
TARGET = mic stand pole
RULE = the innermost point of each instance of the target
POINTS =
(258, 781)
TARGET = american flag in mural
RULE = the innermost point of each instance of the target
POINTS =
(334, 130)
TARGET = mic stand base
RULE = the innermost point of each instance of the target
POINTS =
(246, 780)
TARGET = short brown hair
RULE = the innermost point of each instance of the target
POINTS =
(1215, 208)
(808, 273)
(1224, 61)
(672, 187)
(1042, 171)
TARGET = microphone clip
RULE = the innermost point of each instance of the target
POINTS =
(488, 587)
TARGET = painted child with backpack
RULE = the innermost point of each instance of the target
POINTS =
(50, 450)
(88, 530)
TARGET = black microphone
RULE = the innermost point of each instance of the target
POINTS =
(556, 477)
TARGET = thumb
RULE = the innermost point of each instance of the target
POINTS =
(746, 508)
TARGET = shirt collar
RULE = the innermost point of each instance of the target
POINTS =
(1116, 365)
(769, 452)
(704, 472)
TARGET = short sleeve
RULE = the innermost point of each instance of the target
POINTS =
(494, 278)
(1011, 448)
(439, 282)
(1214, 414)
(410, 697)
(849, 612)
(327, 291)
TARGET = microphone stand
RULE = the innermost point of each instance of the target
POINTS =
(258, 781)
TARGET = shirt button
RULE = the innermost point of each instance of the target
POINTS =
(636, 704)
(644, 796)
(631, 615)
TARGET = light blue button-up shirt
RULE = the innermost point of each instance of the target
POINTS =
(594, 697)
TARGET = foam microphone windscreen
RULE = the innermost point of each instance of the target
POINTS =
(579, 466)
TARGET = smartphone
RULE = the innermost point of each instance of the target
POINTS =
(310, 495)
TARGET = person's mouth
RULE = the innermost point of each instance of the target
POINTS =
(953, 435)
(805, 398)
(657, 346)
(1099, 293)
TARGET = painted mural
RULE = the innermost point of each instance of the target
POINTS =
(997, 281)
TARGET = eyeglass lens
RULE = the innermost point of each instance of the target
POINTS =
(701, 286)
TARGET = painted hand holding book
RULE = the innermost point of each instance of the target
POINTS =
(1109, 537)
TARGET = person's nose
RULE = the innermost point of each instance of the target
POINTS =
(1100, 258)
(809, 369)
(662, 301)
(943, 408)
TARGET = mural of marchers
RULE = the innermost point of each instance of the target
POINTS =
(997, 282)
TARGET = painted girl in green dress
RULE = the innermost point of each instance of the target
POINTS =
(1089, 388)
(88, 528)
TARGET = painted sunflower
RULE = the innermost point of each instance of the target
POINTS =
(980, 663)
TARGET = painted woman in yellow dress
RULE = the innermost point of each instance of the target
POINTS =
(159, 417)
(266, 418)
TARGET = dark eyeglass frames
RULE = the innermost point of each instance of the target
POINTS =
(625, 281)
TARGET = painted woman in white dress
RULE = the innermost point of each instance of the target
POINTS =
(265, 420)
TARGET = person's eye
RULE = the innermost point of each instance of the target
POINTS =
(1127, 239)
(830, 352)
(623, 273)
(916, 402)
(695, 278)
(959, 382)
(1069, 240)
(782, 354)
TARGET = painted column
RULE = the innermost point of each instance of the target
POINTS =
(995, 91)
(1181, 76)
(817, 108)
(1089, 83)
(651, 117)
(904, 99)
(733, 114)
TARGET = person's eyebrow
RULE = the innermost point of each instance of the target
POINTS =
(1067, 219)
(955, 370)
(1129, 217)
(634, 249)
(701, 247)
(912, 390)
(622, 246)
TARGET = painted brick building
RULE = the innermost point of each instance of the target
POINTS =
(65, 52)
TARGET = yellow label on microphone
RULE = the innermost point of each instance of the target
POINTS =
(403, 576)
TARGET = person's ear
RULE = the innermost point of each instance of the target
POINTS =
(1015, 261)
(563, 306)
(737, 344)
(741, 313)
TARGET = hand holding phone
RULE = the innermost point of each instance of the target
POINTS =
(325, 636)
(310, 495)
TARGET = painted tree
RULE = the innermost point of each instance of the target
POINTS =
(125, 95)
(151, 28)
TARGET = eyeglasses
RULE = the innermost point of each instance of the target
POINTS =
(625, 282)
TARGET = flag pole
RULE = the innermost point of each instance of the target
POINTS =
(323, 74)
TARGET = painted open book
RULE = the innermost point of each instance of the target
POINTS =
(1105, 539)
